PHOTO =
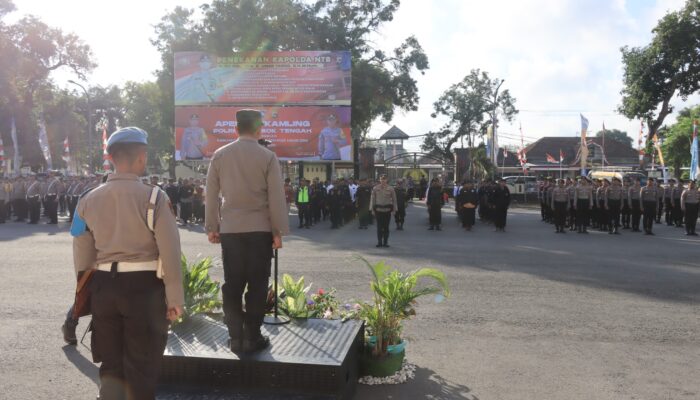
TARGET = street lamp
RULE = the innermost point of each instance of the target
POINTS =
(89, 131)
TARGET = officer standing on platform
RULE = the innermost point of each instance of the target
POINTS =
(648, 198)
(382, 204)
(689, 204)
(127, 232)
(560, 205)
(249, 225)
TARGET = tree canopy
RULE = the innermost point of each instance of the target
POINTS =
(468, 107)
(617, 135)
(668, 67)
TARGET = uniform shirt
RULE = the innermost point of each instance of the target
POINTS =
(383, 198)
(648, 194)
(19, 190)
(668, 192)
(560, 194)
(248, 177)
(572, 192)
(633, 194)
(613, 193)
(600, 194)
(53, 188)
(34, 189)
(117, 231)
(689, 196)
(677, 192)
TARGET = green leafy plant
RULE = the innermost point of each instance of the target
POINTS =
(201, 292)
(292, 297)
(395, 294)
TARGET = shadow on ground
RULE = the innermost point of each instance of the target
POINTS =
(426, 385)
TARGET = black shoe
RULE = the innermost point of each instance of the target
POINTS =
(236, 345)
(385, 245)
(380, 245)
(438, 228)
(432, 228)
(252, 346)
(68, 330)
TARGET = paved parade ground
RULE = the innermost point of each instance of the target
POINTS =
(533, 314)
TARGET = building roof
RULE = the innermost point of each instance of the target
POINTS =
(394, 133)
(616, 153)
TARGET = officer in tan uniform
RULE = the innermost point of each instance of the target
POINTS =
(382, 203)
(127, 232)
(648, 199)
(249, 225)
(613, 204)
(689, 204)
(583, 199)
(560, 206)
(53, 187)
(34, 199)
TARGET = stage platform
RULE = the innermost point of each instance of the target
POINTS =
(307, 359)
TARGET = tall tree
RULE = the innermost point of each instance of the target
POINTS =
(666, 68)
(616, 135)
(381, 82)
(469, 107)
(142, 108)
(677, 139)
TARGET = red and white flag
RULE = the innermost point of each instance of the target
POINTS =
(66, 150)
(551, 159)
(561, 156)
(105, 156)
(2, 154)
(505, 153)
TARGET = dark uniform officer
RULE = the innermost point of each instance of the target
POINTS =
(382, 204)
(435, 201)
(34, 199)
(676, 212)
(249, 225)
(689, 205)
(362, 198)
(467, 200)
(668, 201)
(401, 203)
(126, 230)
(501, 202)
(649, 197)
(560, 205)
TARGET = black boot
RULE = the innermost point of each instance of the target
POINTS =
(68, 330)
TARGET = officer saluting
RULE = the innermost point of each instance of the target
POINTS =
(249, 225)
(127, 232)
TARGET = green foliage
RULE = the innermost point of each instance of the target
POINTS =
(677, 139)
(201, 292)
(292, 297)
(667, 67)
(616, 135)
(381, 82)
(469, 107)
(395, 295)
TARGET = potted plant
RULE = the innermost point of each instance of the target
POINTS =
(394, 300)
(201, 292)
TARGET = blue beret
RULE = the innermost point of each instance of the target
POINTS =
(130, 134)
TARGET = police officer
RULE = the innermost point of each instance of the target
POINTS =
(668, 201)
(435, 201)
(362, 198)
(676, 211)
(127, 232)
(402, 203)
(501, 202)
(51, 199)
(635, 204)
(303, 201)
(583, 204)
(466, 202)
(689, 205)
(560, 205)
(249, 225)
(34, 199)
(382, 204)
(613, 202)
(648, 198)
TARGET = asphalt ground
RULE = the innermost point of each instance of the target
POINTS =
(533, 314)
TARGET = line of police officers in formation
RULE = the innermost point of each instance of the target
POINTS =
(344, 200)
(51, 194)
(608, 205)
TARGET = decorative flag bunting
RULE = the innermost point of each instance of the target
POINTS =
(561, 156)
(522, 156)
(551, 159)
(66, 151)
(44, 144)
(584, 144)
(15, 146)
(505, 153)
(694, 152)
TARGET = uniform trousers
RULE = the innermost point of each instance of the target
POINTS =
(435, 215)
(337, 217)
(691, 217)
(72, 202)
(603, 215)
(383, 219)
(400, 216)
(626, 213)
(21, 208)
(572, 215)
(247, 259)
(363, 214)
(660, 210)
(130, 331)
(614, 214)
(649, 215)
(34, 209)
(499, 217)
(636, 214)
(304, 214)
(582, 213)
(185, 211)
(677, 212)
(62, 204)
(52, 208)
(468, 216)
(667, 215)
(560, 209)
(3, 211)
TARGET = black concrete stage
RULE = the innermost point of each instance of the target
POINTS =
(307, 359)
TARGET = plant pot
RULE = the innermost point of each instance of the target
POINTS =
(381, 366)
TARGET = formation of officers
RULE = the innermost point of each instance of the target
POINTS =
(608, 205)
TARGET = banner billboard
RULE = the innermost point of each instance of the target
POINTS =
(287, 77)
(295, 133)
